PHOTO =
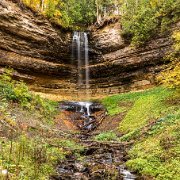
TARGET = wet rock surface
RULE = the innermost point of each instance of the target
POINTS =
(101, 161)
(85, 115)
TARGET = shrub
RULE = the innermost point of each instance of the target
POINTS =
(170, 77)
(18, 92)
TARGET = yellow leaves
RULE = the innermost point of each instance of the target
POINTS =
(155, 3)
(171, 76)
(57, 13)
(176, 37)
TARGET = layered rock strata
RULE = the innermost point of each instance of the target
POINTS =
(41, 54)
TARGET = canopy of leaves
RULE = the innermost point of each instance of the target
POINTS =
(142, 19)
(71, 13)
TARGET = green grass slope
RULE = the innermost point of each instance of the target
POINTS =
(152, 122)
(30, 143)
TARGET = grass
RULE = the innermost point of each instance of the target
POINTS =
(157, 154)
(106, 136)
(152, 122)
(144, 107)
(29, 146)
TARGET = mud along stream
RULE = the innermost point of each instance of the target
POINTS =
(100, 160)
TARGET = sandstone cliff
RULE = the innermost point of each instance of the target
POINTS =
(41, 53)
(121, 67)
(34, 47)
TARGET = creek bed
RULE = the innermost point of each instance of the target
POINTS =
(99, 160)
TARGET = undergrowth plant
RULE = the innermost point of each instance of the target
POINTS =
(170, 76)
(33, 158)
(157, 152)
(17, 92)
(106, 136)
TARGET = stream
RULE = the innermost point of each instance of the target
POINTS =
(100, 160)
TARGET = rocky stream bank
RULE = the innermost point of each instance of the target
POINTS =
(98, 160)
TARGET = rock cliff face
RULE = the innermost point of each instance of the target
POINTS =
(41, 54)
(120, 67)
(34, 47)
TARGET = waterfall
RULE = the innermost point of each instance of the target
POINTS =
(80, 46)
(86, 60)
(77, 41)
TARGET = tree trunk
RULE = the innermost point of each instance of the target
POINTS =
(42, 5)
(97, 12)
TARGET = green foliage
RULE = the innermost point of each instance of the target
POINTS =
(157, 154)
(131, 135)
(145, 108)
(106, 136)
(67, 13)
(72, 13)
(123, 102)
(32, 158)
(152, 122)
(12, 90)
(143, 19)
(18, 92)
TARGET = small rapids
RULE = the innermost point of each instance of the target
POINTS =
(99, 160)
(102, 161)
(85, 115)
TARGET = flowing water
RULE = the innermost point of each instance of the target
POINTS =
(77, 41)
(101, 161)
(86, 60)
(80, 54)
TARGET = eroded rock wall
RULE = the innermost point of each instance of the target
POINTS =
(41, 53)
(38, 50)
(120, 67)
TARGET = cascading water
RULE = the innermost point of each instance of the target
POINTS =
(77, 42)
(86, 60)
(81, 49)
(80, 53)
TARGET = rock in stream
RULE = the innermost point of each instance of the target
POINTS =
(99, 160)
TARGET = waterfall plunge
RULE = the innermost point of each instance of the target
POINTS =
(80, 50)
(86, 59)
